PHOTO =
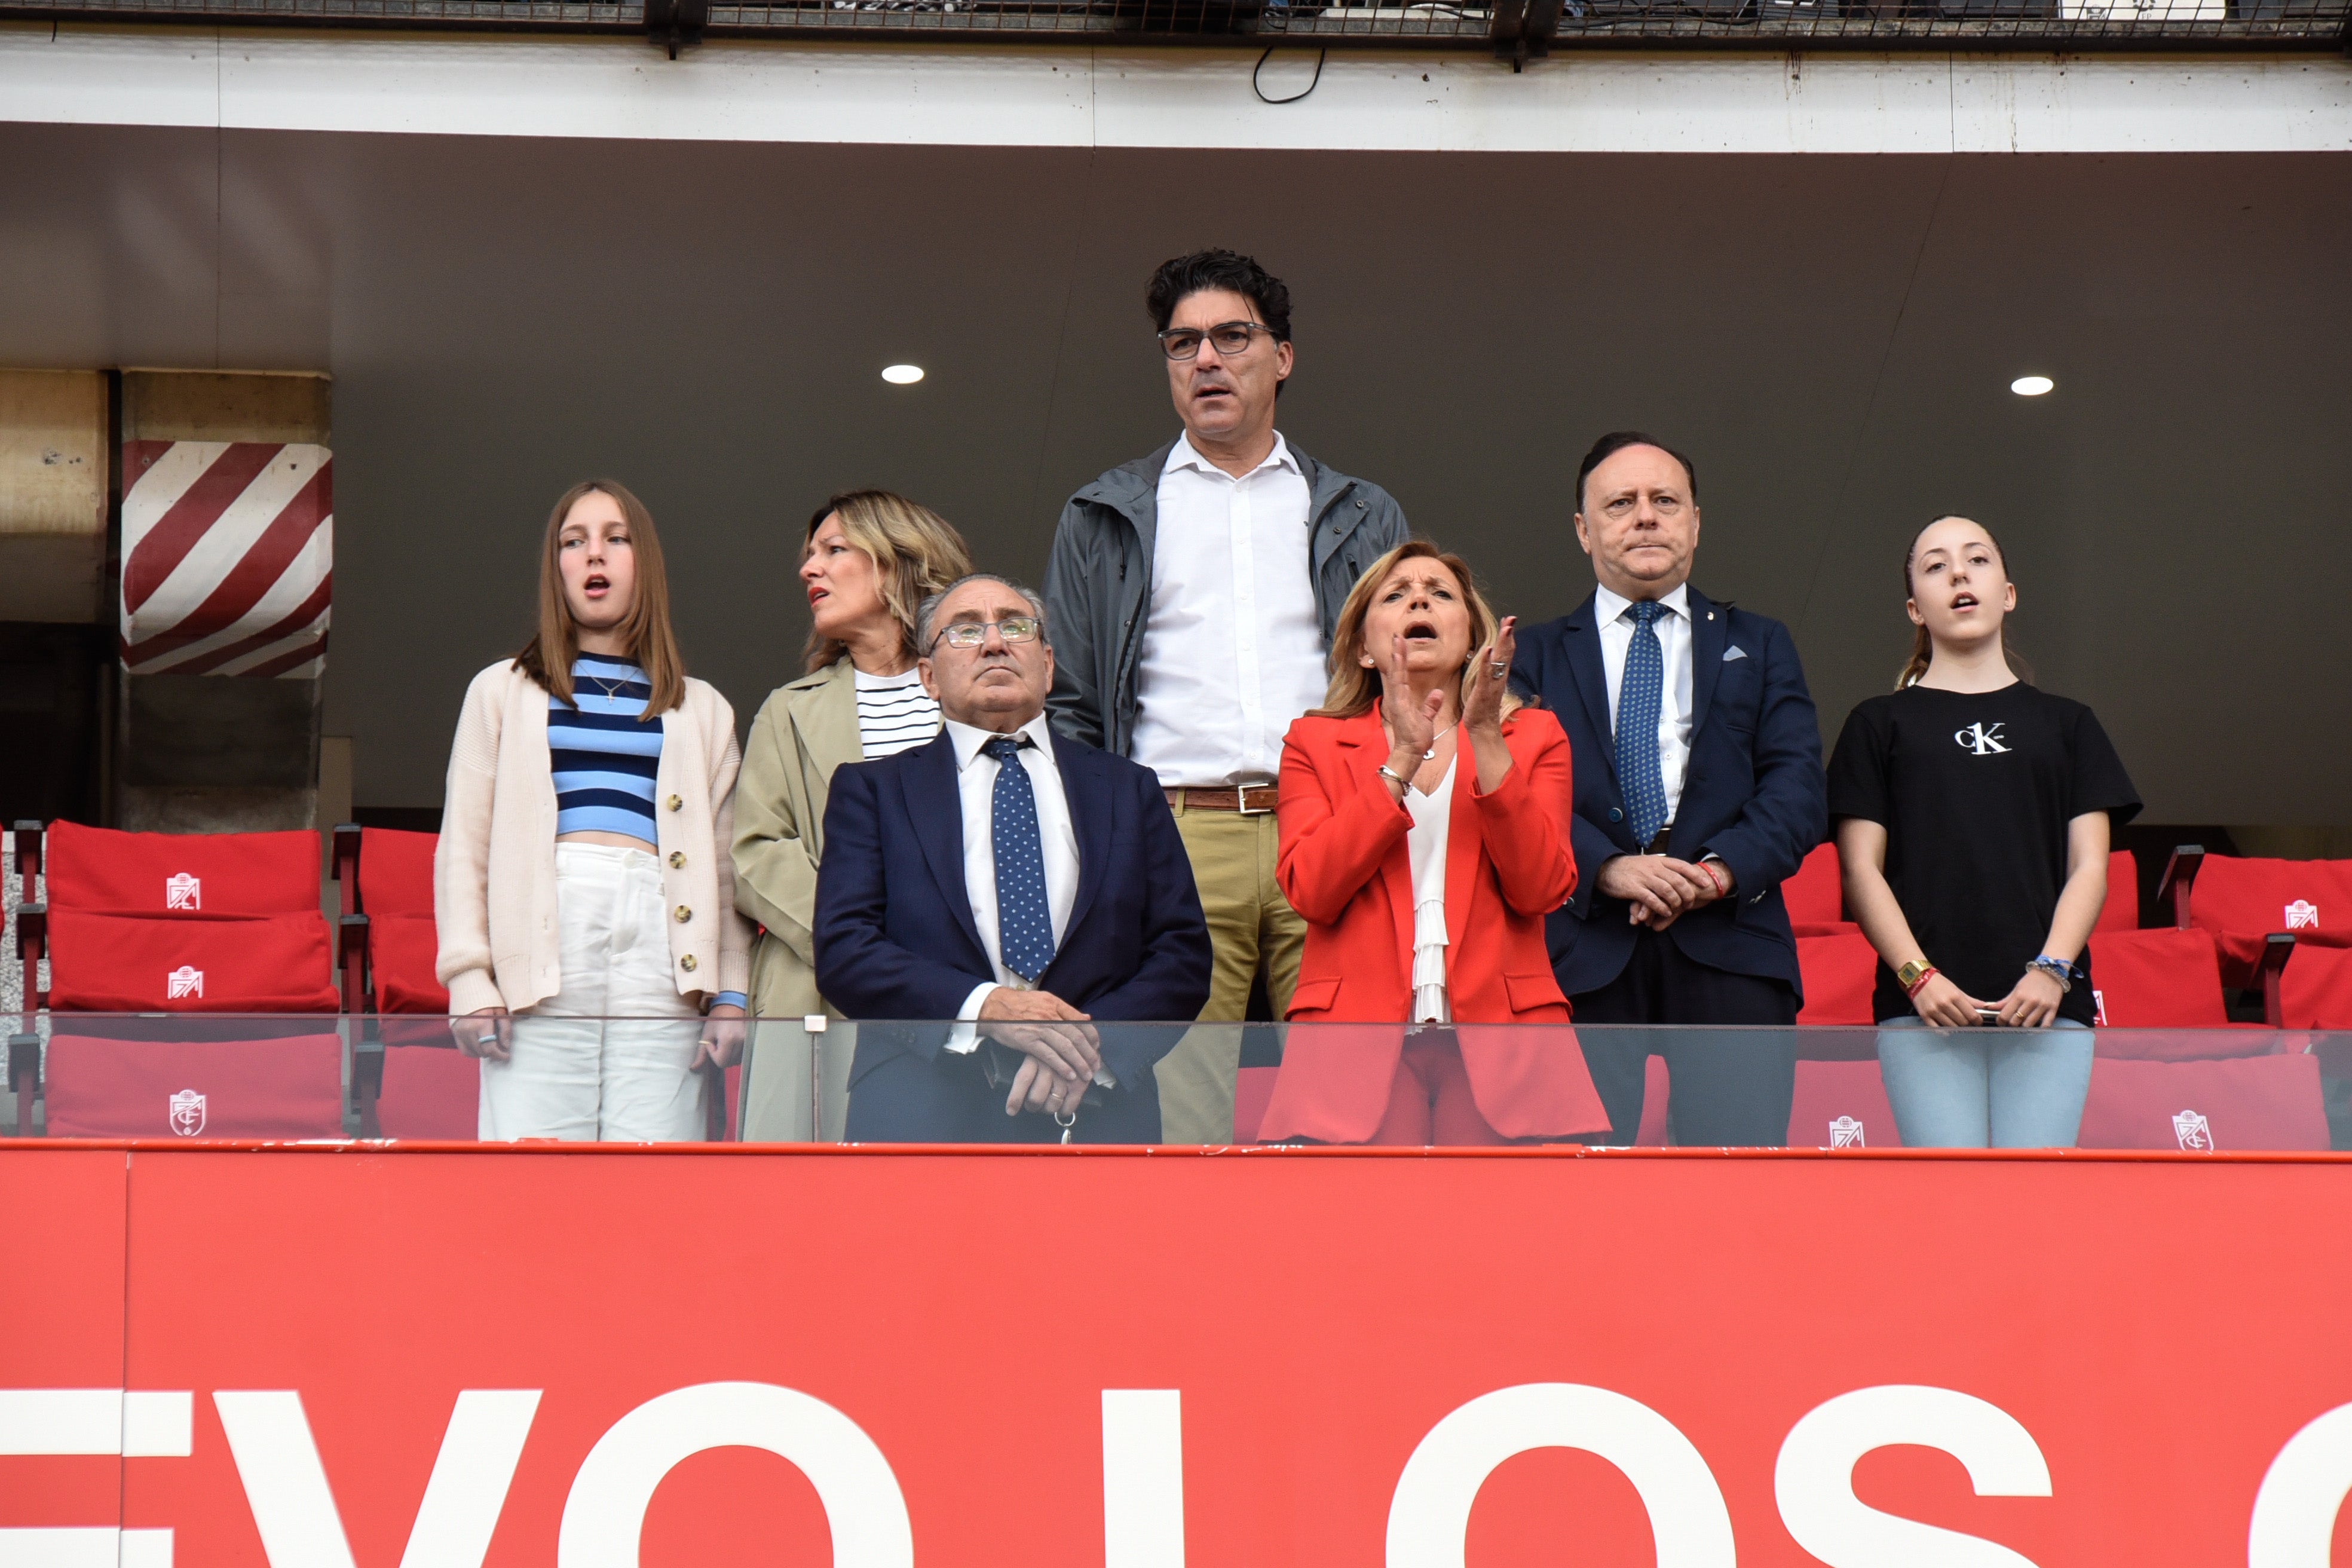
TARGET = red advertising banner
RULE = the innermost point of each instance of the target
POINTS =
(364, 1358)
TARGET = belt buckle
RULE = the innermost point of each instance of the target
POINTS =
(1241, 799)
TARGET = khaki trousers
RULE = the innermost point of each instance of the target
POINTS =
(1253, 930)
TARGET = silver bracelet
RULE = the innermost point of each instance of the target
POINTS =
(2063, 973)
(1394, 777)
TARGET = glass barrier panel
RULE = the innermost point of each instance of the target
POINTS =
(820, 1080)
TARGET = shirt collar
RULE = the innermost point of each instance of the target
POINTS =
(968, 740)
(1183, 454)
(1609, 605)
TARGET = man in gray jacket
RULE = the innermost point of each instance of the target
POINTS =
(1192, 595)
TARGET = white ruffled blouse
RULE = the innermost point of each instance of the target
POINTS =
(1425, 847)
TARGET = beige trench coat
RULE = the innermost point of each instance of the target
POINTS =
(805, 729)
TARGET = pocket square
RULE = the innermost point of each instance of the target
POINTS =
(1731, 653)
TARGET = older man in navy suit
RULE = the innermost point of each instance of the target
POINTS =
(1698, 790)
(1025, 884)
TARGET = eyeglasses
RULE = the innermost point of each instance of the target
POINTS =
(971, 633)
(1229, 338)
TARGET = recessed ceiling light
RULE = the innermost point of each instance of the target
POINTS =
(902, 375)
(2024, 385)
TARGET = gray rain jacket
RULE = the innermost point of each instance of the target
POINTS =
(1098, 582)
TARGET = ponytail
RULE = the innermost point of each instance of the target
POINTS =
(1923, 653)
(1923, 646)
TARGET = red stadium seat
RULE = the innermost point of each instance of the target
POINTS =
(429, 1088)
(2316, 989)
(2121, 912)
(394, 888)
(190, 963)
(1816, 895)
(2157, 980)
(395, 872)
(402, 949)
(2242, 900)
(140, 1078)
(2270, 1102)
(1840, 1105)
(1840, 974)
(99, 869)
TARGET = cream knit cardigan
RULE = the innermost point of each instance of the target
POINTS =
(494, 870)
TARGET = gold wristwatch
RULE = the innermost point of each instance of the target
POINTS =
(1911, 974)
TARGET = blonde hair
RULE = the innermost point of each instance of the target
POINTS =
(1355, 689)
(1923, 646)
(914, 551)
(646, 631)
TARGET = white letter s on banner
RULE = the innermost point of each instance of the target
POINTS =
(1814, 1478)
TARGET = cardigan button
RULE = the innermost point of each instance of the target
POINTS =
(687, 964)
(678, 859)
(684, 914)
(675, 804)
(1615, 814)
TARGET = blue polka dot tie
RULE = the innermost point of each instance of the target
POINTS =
(1638, 698)
(1024, 920)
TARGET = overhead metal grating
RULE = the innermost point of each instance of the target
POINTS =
(1514, 29)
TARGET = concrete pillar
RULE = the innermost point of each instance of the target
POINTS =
(226, 575)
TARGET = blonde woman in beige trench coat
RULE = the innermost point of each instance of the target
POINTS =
(868, 559)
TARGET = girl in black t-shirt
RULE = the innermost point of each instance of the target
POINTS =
(1973, 815)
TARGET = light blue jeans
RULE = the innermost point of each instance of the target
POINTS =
(1987, 1088)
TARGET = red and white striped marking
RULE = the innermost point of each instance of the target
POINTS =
(228, 550)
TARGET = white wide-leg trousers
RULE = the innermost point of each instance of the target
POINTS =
(608, 1056)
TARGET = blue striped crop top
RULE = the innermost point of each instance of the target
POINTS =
(605, 757)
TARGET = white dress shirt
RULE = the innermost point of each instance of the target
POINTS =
(1058, 840)
(1232, 650)
(1611, 613)
(1433, 820)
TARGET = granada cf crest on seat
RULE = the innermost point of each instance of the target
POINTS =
(187, 1114)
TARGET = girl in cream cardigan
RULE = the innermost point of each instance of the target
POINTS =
(582, 891)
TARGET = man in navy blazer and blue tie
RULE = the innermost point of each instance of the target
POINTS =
(1025, 884)
(1698, 790)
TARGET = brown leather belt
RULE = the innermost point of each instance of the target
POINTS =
(1250, 799)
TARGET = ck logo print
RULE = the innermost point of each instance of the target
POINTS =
(185, 981)
(182, 892)
(2302, 915)
(1984, 739)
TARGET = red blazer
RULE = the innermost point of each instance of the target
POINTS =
(1345, 869)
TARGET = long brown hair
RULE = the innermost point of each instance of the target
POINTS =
(547, 657)
(1923, 646)
(1355, 690)
(914, 551)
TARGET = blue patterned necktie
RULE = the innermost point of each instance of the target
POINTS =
(1024, 920)
(1639, 695)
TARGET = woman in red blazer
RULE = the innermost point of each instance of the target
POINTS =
(1424, 818)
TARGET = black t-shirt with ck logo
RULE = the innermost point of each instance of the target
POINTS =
(1975, 790)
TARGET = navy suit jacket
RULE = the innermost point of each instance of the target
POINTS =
(1753, 794)
(894, 931)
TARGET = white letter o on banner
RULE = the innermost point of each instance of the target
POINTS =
(2301, 1494)
(606, 1514)
(1429, 1519)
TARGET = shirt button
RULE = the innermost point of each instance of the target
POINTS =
(678, 859)
(687, 964)
(1615, 814)
(675, 804)
(684, 914)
